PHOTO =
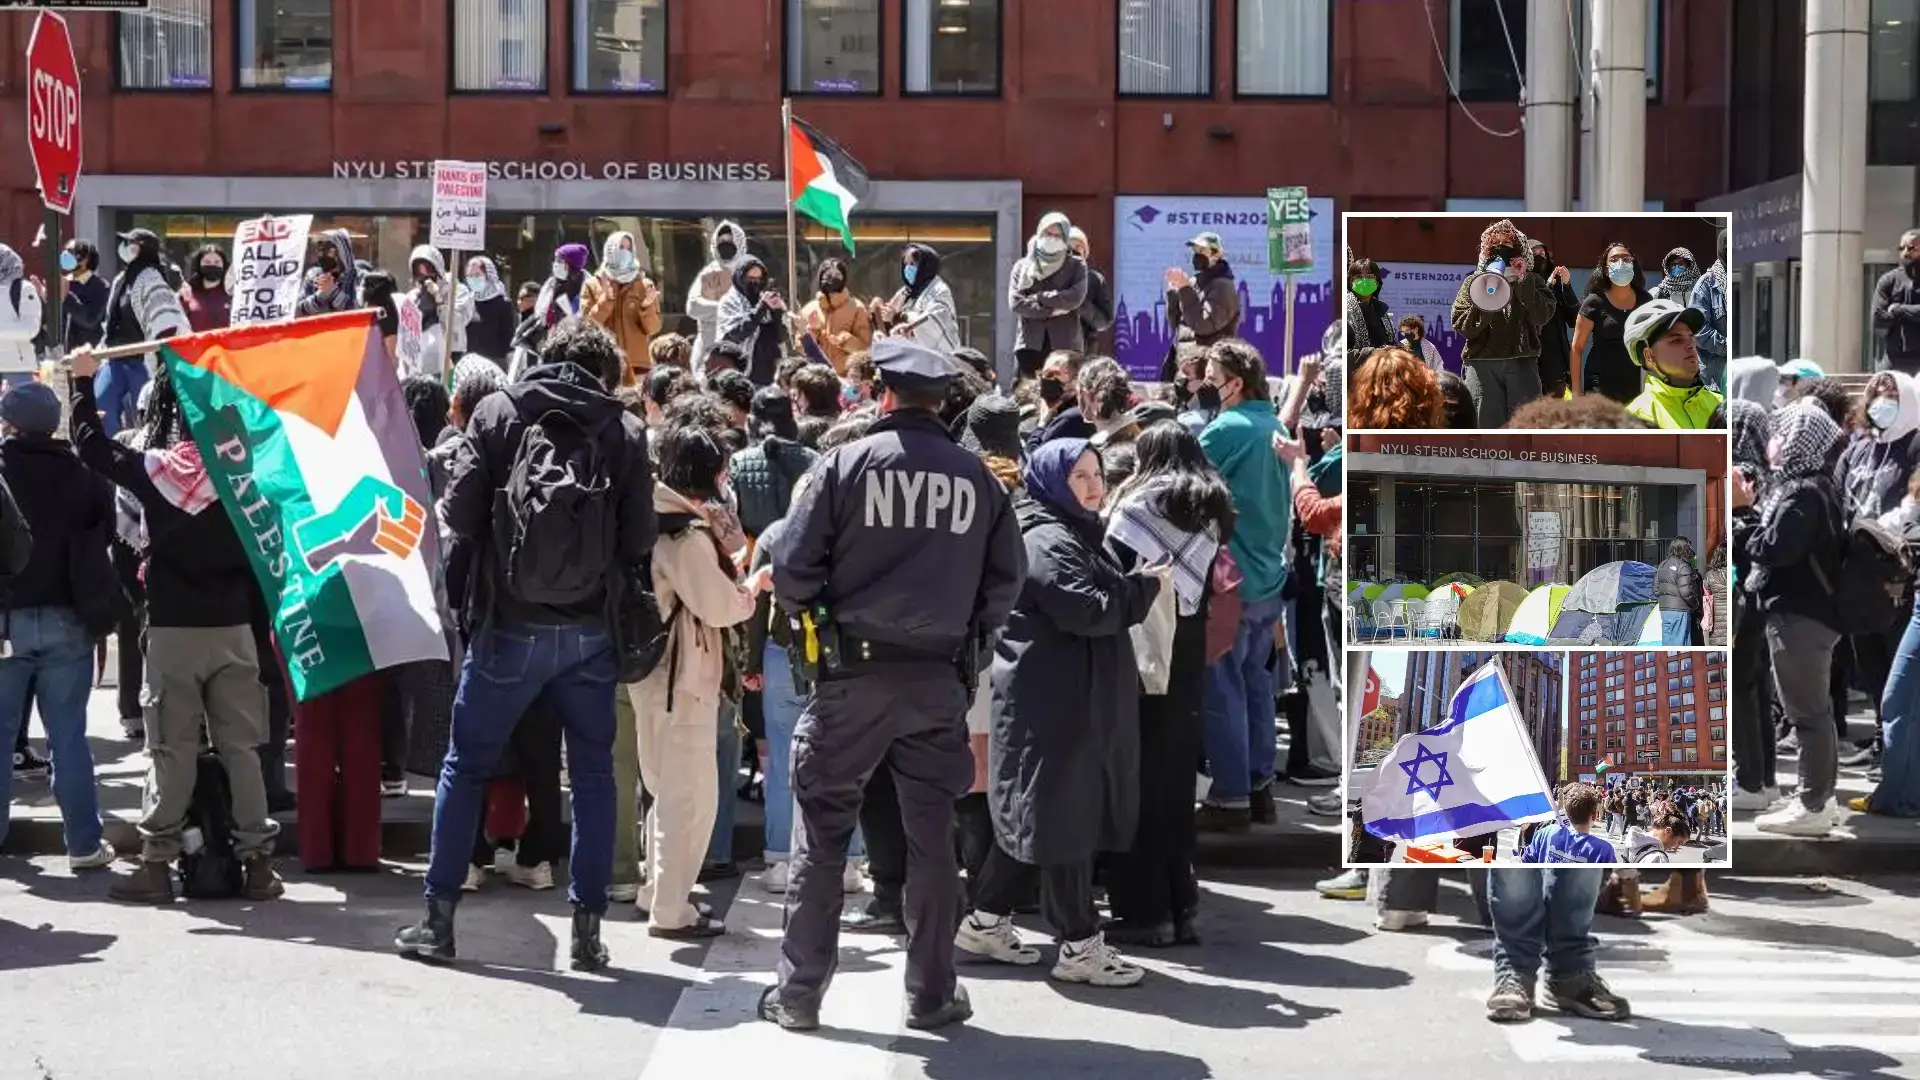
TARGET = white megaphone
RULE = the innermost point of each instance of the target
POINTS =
(1490, 289)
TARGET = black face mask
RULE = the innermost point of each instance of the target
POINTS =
(1207, 398)
(751, 288)
(213, 274)
(329, 263)
(726, 250)
(1503, 253)
(832, 286)
(1200, 263)
(1052, 391)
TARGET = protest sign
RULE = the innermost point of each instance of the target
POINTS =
(268, 253)
(459, 205)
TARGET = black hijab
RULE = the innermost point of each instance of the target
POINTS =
(928, 260)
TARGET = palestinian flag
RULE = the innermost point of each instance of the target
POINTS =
(1605, 764)
(311, 449)
(823, 180)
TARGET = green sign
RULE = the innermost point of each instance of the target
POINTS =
(1289, 231)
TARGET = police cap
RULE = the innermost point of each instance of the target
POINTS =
(912, 367)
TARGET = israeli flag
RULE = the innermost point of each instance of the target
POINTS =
(1477, 773)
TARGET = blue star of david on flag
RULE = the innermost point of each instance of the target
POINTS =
(1412, 768)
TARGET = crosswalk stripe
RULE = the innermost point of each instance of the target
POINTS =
(1736, 988)
(715, 1029)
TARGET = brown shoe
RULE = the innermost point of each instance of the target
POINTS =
(1620, 897)
(1227, 819)
(1665, 897)
(151, 883)
(262, 882)
(1693, 892)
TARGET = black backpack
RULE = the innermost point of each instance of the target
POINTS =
(1870, 595)
(638, 629)
(560, 518)
(213, 872)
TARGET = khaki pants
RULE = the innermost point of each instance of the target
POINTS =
(626, 791)
(211, 672)
(676, 765)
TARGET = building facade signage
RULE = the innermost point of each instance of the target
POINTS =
(1484, 453)
(1766, 220)
(668, 171)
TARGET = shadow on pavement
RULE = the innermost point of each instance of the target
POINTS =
(1749, 1051)
(23, 947)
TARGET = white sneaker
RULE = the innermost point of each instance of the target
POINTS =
(851, 882)
(1346, 885)
(102, 856)
(476, 877)
(1755, 801)
(393, 789)
(623, 894)
(1392, 921)
(1794, 819)
(774, 877)
(1095, 963)
(538, 878)
(994, 938)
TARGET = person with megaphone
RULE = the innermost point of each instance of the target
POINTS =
(1659, 338)
(1500, 310)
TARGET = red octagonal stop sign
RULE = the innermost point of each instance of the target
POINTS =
(53, 111)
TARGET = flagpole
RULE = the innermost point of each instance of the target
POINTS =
(786, 196)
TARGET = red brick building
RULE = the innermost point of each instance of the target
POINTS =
(1649, 712)
(973, 116)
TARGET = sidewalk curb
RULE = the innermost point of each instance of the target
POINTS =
(1264, 849)
(1838, 857)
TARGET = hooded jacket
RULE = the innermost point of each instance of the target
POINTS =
(710, 288)
(1794, 546)
(494, 316)
(699, 597)
(142, 306)
(475, 501)
(422, 347)
(1209, 304)
(1753, 378)
(345, 295)
(749, 322)
(1644, 847)
(840, 324)
(1512, 333)
(1045, 298)
(1677, 289)
(65, 506)
(20, 315)
(630, 310)
(1877, 468)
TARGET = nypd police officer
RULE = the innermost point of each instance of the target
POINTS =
(899, 554)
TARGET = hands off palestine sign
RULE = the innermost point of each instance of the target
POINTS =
(459, 205)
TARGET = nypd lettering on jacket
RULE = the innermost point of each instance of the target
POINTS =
(920, 500)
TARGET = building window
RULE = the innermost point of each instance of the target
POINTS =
(952, 47)
(1894, 49)
(1489, 59)
(285, 45)
(167, 47)
(1676, 755)
(1281, 48)
(1719, 754)
(1166, 48)
(620, 46)
(833, 46)
(499, 46)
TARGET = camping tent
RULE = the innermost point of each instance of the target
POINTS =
(1441, 613)
(1605, 589)
(1448, 579)
(1536, 615)
(1486, 614)
(1628, 626)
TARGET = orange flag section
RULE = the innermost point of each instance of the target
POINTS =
(804, 167)
(308, 367)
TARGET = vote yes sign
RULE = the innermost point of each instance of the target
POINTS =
(53, 111)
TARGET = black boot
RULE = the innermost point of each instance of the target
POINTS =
(588, 952)
(431, 939)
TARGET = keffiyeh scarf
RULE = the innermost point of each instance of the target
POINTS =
(1806, 436)
(1137, 522)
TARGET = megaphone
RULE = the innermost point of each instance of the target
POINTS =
(1490, 289)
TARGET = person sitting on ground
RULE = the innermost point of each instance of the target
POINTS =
(1395, 389)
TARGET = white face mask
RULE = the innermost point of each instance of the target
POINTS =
(1051, 245)
(1883, 413)
(561, 270)
(622, 259)
(129, 252)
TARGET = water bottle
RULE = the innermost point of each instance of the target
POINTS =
(192, 841)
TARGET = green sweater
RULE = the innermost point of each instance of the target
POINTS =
(1239, 442)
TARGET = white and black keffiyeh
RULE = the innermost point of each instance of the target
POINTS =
(1806, 436)
(1137, 522)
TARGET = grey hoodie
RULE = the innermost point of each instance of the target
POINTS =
(346, 284)
(1644, 847)
(1753, 378)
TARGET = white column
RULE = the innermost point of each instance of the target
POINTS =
(1619, 36)
(1549, 96)
(1834, 196)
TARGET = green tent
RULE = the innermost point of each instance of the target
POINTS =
(1488, 611)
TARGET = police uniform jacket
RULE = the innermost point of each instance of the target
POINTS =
(905, 536)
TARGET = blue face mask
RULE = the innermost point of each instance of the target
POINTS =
(1621, 273)
(1677, 271)
(68, 264)
(909, 272)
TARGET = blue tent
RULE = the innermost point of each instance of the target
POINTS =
(1631, 625)
(1606, 589)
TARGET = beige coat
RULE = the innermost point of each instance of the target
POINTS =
(687, 575)
(841, 326)
(630, 312)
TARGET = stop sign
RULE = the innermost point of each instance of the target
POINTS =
(53, 111)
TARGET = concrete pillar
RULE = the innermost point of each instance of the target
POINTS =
(1550, 115)
(1834, 178)
(1619, 36)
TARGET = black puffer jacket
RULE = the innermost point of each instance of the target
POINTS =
(1786, 544)
(763, 478)
(1676, 585)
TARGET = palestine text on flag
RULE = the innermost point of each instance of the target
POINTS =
(310, 445)
(824, 181)
(1472, 775)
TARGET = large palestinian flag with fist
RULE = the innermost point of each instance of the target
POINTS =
(310, 446)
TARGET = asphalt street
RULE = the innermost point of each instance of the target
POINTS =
(1287, 983)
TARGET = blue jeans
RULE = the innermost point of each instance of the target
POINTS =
(726, 758)
(1540, 912)
(1676, 627)
(1898, 792)
(53, 655)
(117, 392)
(507, 669)
(783, 705)
(1241, 732)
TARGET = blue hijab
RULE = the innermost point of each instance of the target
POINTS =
(1045, 475)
